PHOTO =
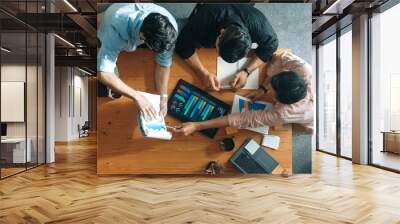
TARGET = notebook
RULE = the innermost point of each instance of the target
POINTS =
(242, 104)
(271, 141)
(153, 128)
(226, 73)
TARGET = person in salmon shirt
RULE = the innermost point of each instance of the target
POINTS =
(288, 84)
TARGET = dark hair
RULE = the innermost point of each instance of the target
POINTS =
(289, 87)
(234, 44)
(158, 32)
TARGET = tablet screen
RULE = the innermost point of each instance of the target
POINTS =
(189, 103)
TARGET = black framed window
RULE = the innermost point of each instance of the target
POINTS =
(384, 113)
(326, 96)
(334, 94)
(22, 77)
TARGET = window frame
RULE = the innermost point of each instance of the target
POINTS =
(28, 29)
(334, 37)
(381, 9)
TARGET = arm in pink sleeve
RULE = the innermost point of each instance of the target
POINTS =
(298, 65)
(253, 119)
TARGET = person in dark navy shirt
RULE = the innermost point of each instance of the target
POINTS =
(231, 29)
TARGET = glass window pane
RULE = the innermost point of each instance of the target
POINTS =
(14, 153)
(385, 88)
(346, 94)
(22, 63)
(327, 97)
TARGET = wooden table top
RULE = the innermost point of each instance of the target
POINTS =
(122, 149)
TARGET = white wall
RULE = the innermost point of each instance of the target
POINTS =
(16, 73)
(79, 112)
(33, 127)
(13, 73)
(71, 94)
(314, 85)
(61, 103)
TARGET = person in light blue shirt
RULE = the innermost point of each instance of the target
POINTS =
(123, 27)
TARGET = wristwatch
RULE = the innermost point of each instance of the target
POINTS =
(262, 88)
(247, 71)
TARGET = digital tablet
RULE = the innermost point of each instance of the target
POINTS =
(188, 103)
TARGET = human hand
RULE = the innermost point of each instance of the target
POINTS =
(240, 80)
(187, 128)
(145, 107)
(163, 106)
(210, 81)
(255, 94)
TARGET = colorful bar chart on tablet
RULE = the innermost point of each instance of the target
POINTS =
(189, 103)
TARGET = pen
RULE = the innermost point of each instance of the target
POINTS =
(172, 127)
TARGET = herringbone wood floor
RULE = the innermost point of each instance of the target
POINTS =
(69, 191)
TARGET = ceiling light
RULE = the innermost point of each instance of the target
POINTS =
(79, 51)
(84, 71)
(70, 5)
(338, 6)
(65, 41)
(328, 10)
(5, 50)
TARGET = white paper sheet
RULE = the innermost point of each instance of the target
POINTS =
(236, 108)
(271, 141)
(226, 73)
(147, 125)
(252, 147)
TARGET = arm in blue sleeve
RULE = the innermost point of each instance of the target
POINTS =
(107, 58)
(165, 59)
